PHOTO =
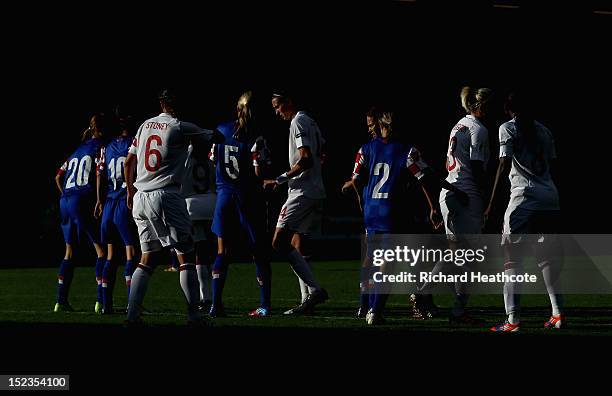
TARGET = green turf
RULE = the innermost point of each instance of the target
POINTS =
(27, 296)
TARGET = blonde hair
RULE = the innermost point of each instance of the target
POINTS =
(386, 120)
(243, 108)
(472, 98)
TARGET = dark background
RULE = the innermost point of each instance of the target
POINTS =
(411, 56)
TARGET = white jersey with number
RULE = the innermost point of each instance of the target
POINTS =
(304, 132)
(531, 186)
(469, 141)
(160, 147)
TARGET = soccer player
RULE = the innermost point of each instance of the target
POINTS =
(373, 132)
(240, 206)
(199, 191)
(467, 156)
(158, 154)
(526, 152)
(75, 181)
(302, 209)
(386, 163)
(117, 219)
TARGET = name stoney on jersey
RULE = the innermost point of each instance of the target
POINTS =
(160, 147)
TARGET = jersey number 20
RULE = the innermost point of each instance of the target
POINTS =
(82, 174)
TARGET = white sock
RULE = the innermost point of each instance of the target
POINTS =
(140, 282)
(550, 273)
(191, 289)
(304, 291)
(204, 279)
(512, 296)
(302, 270)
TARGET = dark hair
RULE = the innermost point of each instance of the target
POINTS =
(168, 97)
(521, 107)
(373, 112)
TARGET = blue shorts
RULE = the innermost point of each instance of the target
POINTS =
(117, 218)
(234, 214)
(76, 213)
(376, 240)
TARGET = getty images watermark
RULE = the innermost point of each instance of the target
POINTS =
(483, 264)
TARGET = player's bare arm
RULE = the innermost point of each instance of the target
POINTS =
(304, 163)
(129, 169)
(503, 168)
(98, 207)
(353, 185)
(58, 182)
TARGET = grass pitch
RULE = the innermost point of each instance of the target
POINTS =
(27, 297)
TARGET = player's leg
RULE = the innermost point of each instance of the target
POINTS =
(251, 222)
(219, 276)
(515, 224)
(146, 207)
(179, 227)
(66, 269)
(548, 253)
(296, 242)
(203, 263)
(124, 224)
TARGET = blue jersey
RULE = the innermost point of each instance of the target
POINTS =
(113, 158)
(80, 168)
(234, 162)
(387, 165)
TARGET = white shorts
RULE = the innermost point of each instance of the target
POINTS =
(162, 220)
(201, 206)
(301, 214)
(524, 225)
(460, 219)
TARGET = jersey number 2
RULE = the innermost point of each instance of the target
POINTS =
(376, 194)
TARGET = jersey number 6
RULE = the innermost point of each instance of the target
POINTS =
(153, 152)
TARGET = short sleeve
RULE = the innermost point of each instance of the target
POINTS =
(505, 141)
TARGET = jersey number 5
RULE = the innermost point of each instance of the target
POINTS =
(231, 162)
(153, 152)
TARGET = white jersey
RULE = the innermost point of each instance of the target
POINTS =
(304, 132)
(198, 187)
(469, 141)
(160, 147)
(531, 186)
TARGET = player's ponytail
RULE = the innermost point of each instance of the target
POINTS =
(472, 99)
(385, 121)
(244, 115)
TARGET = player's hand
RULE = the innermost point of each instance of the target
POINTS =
(97, 210)
(270, 184)
(347, 186)
(436, 219)
(485, 216)
(130, 200)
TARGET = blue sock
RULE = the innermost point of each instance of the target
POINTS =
(100, 261)
(109, 275)
(127, 273)
(219, 274)
(64, 279)
(264, 279)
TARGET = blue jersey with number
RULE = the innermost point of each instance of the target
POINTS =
(233, 160)
(80, 168)
(112, 161)
(384, 164)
